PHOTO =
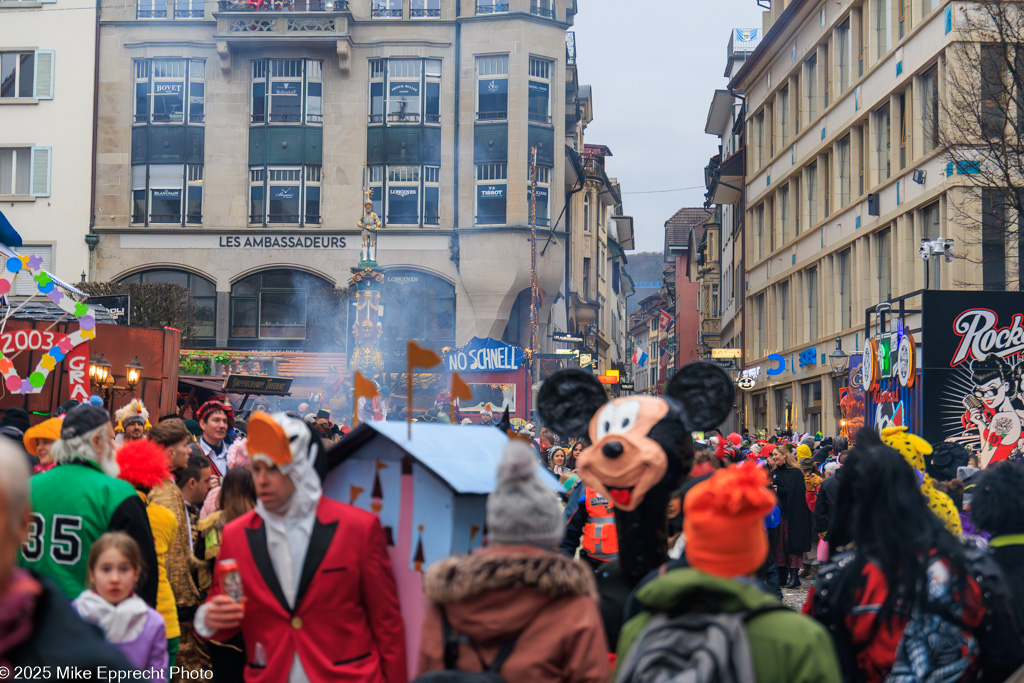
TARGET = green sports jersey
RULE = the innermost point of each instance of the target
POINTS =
(72, 505)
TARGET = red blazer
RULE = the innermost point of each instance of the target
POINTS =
(347, 626)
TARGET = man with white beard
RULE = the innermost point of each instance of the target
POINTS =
(79, 500)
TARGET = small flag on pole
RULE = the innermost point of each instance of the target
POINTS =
(460, 392)
(417, 357)
(665, 323)
(663, 357)
(363, 388)
(639, 358)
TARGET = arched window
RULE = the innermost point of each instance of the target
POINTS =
(273, 304)
(417, 306)
(202, 291)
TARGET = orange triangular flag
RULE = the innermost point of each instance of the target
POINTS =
(460, 391)
(418, 357)
(363, 388)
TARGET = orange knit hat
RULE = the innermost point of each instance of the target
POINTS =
(723, 519)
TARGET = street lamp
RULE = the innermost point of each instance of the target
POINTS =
(134, 373)
(839, 361)
(99, 370)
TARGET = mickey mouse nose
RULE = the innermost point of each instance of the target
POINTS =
(612, 449)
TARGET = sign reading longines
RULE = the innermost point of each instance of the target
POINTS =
(281, 242)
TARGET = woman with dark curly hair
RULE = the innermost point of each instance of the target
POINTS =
(991, 410)
(881, 601)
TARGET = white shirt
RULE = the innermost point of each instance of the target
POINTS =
(218, 458)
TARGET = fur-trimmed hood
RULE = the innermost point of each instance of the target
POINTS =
(497, 591)
(459, 578)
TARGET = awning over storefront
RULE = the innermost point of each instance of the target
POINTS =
(730, 180)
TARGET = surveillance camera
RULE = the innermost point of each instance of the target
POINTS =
(948, 256)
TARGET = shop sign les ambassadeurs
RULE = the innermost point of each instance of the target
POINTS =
(485, 355)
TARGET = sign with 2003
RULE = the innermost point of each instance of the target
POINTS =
(30, 340)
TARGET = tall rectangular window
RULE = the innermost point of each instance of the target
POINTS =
(17, 75)
(993, 239)
(843, 162)
(284, 195)
(904, 131)
(784, 321)
(845, 289)
(843, 54)
(904, 17)
(586, 279)
(761, 324)
(168, 194)
(170, 91)
(761, 238)
(542, 8)
(883, 251)
(811, 280)
(826, 165)
(931, 228)
(287, 91)
(543, 195)
(993, 90)
(784, 213)
(811, 192)
(759, 137)
(539, 102)
(405, 78)
(491, 6)
(882, 31)
(811, 86)
(386, 9)
(15, 171)
(863, 154)
(929, 82)
(151, 9)
(491, 194)
(882, 143)
(425, 9)
(784, 122)
(492, 88)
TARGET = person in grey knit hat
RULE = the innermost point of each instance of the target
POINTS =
(522, 510)
(520, 610)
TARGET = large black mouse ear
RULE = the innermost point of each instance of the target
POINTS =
(706, 393)
(567, 401)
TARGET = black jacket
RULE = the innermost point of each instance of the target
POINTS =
(61, 639)
(790, 489)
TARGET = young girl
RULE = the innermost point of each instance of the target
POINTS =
(137, 629)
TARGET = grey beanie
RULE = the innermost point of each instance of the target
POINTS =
(522, 510)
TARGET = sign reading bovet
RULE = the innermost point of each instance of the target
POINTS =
(485, 355)
(282, 242)
(256, 384)
(973, 360)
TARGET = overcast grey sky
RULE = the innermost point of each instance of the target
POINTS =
(654, 67)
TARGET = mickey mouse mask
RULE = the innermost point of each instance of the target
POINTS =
(638, 442)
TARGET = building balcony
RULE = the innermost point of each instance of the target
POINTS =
(282, 6)
(295, 23)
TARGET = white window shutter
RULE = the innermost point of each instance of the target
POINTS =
(24, 285)
(44, 74)
(41, 171)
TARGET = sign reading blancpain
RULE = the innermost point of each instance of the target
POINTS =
(282, 242)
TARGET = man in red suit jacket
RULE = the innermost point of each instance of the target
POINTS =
(320, 599)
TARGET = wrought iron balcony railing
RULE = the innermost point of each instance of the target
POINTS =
(491, 8)
(282, 5)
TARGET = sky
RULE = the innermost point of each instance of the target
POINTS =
(654, 67)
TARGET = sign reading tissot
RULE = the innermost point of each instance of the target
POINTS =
(973, 357)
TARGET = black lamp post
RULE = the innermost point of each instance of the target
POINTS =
(839, 361)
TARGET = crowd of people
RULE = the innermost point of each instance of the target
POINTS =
(111, 531)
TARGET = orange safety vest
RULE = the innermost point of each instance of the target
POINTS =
(600, 537)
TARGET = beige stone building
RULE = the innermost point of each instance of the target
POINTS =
(235, 139)
(845, 103)
(47, 60)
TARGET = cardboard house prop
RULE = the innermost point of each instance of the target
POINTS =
(430, 494)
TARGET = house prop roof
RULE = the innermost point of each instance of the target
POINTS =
(464, 457)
